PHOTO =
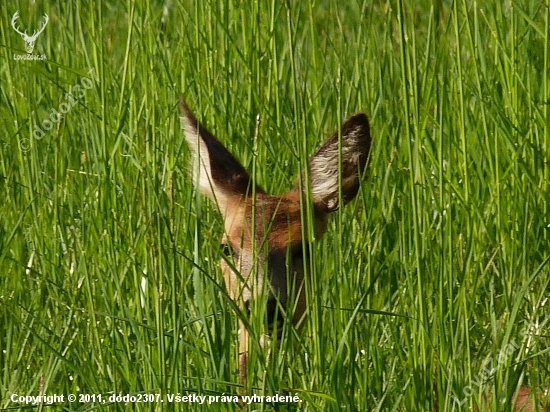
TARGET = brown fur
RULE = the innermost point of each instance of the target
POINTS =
(523, 400)
(263, 230)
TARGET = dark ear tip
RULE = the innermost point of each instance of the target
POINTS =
(183, 105)
(187, 112)
(359, 121)
(360, 116)
(358, 125)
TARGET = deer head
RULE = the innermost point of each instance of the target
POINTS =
(29, 40)
(263, 233)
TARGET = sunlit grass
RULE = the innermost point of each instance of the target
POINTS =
(109, 281)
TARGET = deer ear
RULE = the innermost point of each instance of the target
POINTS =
(216, 172)
(324, 168)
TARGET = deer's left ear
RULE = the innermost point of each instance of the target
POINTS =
(216, 172)
(324, 170)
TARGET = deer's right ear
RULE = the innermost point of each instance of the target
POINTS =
(340, 164)
(216, 173)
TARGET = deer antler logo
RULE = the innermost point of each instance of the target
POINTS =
(29, 40)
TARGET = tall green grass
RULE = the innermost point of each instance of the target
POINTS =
(109, 277)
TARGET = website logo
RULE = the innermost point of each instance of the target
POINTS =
(29, 40)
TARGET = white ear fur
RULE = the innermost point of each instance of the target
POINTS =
(200, 162)
(216, 172)
(218, 175)
(324, 171)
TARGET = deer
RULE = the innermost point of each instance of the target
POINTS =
(29, 40)
(263, 233)
(521, 400)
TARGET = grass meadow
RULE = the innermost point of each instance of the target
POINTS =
(430, 291)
